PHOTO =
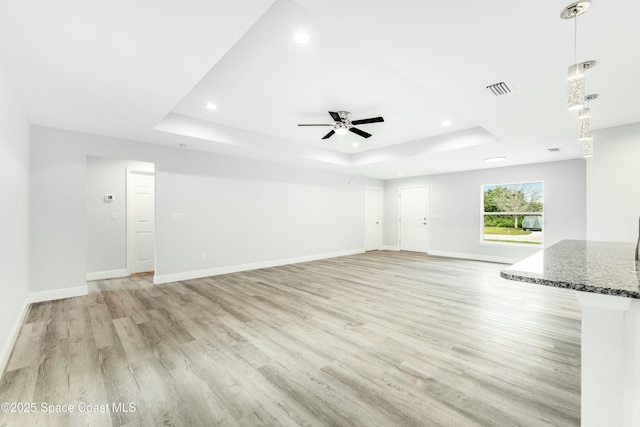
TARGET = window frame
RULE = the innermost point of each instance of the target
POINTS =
(534, 245)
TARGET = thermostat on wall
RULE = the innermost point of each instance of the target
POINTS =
(109, 197)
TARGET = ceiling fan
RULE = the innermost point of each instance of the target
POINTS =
(343, 123)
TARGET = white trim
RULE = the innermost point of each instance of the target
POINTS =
(390, 248)
(13, 336)
(496, 243)
(102, 275)
(187, 275)
(476, 257)
(55, 294)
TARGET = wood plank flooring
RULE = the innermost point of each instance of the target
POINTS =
(377, 339)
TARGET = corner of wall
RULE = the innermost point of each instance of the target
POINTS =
(7, 348)
(55, 294)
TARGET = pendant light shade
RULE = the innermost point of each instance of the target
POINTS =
(584, 123)
(587, 147)
(575, 78)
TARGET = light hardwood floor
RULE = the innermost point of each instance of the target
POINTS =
(377, 339)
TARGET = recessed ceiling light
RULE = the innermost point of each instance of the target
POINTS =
(400, 174)
(446, 123)
(210, 106)
(495, 159)
(301, 37)
(355, 145)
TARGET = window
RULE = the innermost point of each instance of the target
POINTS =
(513, 213)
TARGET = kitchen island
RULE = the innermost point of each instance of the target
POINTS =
(606, 280)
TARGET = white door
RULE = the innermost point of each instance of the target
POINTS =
(141, 233)
(372, 223)
(414, 223)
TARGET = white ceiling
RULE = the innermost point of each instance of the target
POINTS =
(145, 70)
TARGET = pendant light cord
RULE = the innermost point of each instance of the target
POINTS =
(575, 38)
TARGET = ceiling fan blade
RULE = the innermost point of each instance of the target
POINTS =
(306, 124)
(335, 116)
(360, 132)
(329, 134)
(364, 121)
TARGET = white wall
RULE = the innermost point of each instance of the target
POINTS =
(455, 203)
(240, 213)
(58, 248)
(613, 185)
(106, 236)
(270, 213)
(14, 215)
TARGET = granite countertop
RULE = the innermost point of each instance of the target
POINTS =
(584, 265)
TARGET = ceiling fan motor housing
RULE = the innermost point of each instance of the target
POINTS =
(345, 116)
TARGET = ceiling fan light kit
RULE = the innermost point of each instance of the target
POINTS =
(341, 129)
(344, 124)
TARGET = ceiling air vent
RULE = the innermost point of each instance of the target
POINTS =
(500, 88)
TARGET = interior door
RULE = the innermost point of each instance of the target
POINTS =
(372, 222)
(414, 219)
(141, 234)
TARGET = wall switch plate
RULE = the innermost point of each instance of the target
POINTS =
(114, 216)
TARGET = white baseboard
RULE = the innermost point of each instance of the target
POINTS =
(102, 275)
(55, 294)
(475, 257)
(187, 275)
(390, 248)
(13, 336)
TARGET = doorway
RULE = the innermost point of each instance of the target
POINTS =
(113, 238)
(372, 218)
(414, 219)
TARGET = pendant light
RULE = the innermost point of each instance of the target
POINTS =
(584, 119)
(575, 73)
(576, 99)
